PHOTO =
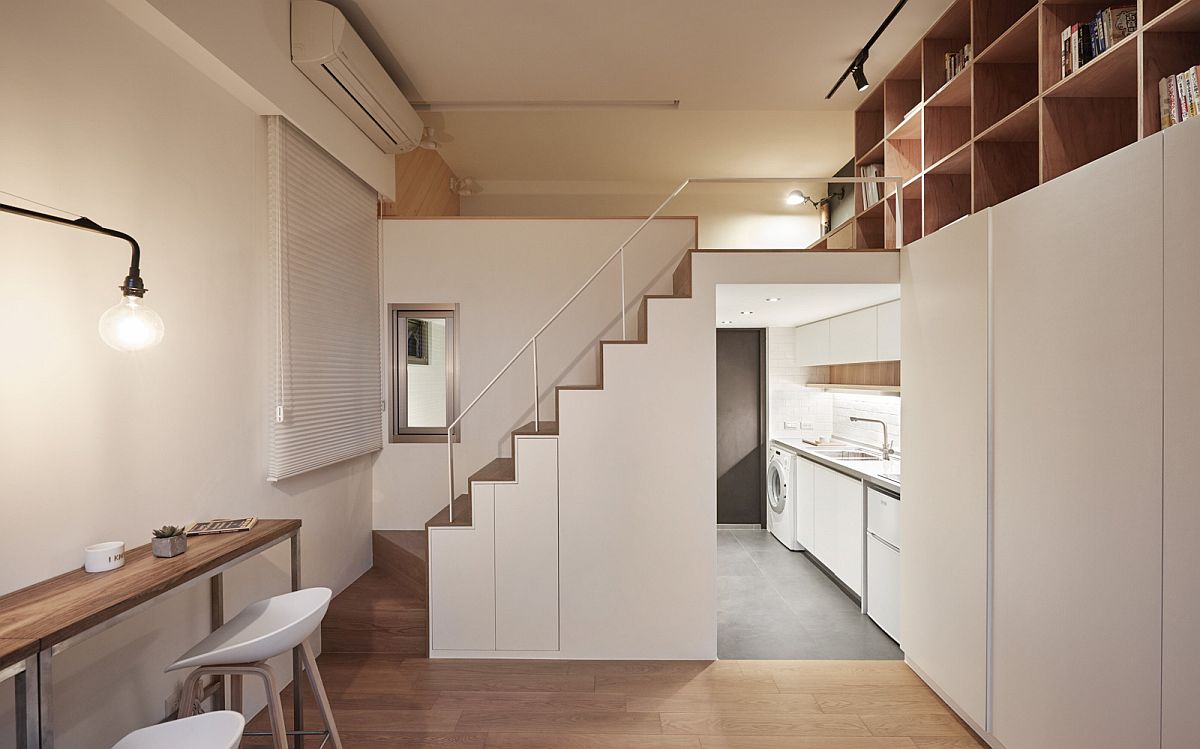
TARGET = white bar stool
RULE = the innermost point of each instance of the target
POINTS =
(219, 730)
(242, 646)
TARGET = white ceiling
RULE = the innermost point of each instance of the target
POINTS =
(799, 303)
(750, 76)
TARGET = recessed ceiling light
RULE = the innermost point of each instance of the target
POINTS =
(727, 322)
(746, 312)
(774, 299)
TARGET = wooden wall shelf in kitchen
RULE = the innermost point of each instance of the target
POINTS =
(1009, 121)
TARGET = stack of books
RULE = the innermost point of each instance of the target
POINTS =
(871, 190)
(956, 61)
(1083, 42)
(1179, 97)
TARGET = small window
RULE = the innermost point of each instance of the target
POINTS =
(424, 351)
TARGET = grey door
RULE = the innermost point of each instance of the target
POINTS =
(740, 427)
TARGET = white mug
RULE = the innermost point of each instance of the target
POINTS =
(104, 557)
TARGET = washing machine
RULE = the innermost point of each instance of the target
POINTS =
(781, 505)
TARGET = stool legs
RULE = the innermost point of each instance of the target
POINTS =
(318, 687)
(190, 696)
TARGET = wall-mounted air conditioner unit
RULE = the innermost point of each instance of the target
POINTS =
(334, 57)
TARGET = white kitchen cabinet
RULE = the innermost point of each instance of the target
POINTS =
(883, 585)
(853, 337)
(812, 344)
(527, 551)
(887, 340)
(803, 478)
(838, 501)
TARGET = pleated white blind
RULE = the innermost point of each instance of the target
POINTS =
(325, 236)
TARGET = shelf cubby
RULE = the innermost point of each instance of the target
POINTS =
(1001, 89)
(947, 199)
(901, 158)
(868, 124)
(1155, 12)
(1058, 16)
(1006, 159)
(1076, 131)
(868, 230)
(948, 34)
(947, 129)
(1170, 45)
(900, 98)
(993, 19)
(911, 194)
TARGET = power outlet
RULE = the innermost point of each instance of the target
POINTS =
(806, 425)
(791, 426)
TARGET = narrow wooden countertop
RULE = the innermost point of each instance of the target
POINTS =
(59, 608)
(16, 650)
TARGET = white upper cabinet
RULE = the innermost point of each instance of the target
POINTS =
(888, 325)
(852, 337)
(812, 344)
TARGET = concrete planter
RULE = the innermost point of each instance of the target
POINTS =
(168, 547)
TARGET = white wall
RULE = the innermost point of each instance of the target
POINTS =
(509, 276)
(745, 219)
(245, 46)
(98, 445)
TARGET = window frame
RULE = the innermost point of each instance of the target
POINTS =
(398, 314)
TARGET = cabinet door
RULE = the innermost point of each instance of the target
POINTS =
(527, 551)
(1078, 456)
(812, 344)
(462, 579)
(888, 322)
(944, 564)
(825, 516)
(804, 489)
(852, 337)
(850, 532)
(1181, 505)
(883, 586)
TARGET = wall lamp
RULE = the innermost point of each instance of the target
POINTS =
(855, 70)
(797, 197)
(129, 325)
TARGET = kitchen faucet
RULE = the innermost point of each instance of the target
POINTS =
(887, 444)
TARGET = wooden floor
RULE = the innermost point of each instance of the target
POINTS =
(383, 700)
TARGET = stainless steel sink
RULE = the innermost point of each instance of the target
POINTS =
(848, 454)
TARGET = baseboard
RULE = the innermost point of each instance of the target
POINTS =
(980, 734)
(739, 527)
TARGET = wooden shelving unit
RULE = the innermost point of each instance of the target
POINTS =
(1009, 121)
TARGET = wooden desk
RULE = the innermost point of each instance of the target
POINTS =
(55, 614)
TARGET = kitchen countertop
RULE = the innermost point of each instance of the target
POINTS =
(867, 470)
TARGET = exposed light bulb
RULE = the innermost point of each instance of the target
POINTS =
(795, 197)
(129, 325)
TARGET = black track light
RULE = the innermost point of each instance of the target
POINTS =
(860, 78)
(856, 68)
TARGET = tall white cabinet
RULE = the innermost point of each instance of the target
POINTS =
(1181, 491)
(943, 568)
(1077, 356)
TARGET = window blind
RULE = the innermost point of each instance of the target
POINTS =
(325, 238)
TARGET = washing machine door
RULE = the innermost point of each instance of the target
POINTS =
(776, 487)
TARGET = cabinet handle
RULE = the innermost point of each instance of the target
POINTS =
(888, 544)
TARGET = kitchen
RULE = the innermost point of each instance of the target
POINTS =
(818, 576)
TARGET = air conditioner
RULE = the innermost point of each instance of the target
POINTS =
(327, 50)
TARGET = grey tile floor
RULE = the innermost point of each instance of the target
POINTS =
(773, 603)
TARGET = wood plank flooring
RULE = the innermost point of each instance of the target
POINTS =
(383, 700)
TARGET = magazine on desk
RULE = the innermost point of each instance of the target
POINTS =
(220, 525)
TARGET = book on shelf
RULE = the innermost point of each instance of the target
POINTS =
(1179, 97)
(220, 525)
(871, 191)
(956, 61)
(1083, 42)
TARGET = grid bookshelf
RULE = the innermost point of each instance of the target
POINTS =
(1009, 121)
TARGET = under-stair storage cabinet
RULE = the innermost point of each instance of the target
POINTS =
(462, 579)
(1181, 491)
(943, 567)
(527, 551)
(1077, 351)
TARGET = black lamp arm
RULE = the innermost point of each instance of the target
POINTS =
(132, 286)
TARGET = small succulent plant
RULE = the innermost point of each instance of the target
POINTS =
(168, 531)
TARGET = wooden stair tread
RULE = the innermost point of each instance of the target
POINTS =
(462, 514)
(500, 469)
(410, 542)
(543, 428)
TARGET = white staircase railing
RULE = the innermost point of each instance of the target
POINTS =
(619, 255)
